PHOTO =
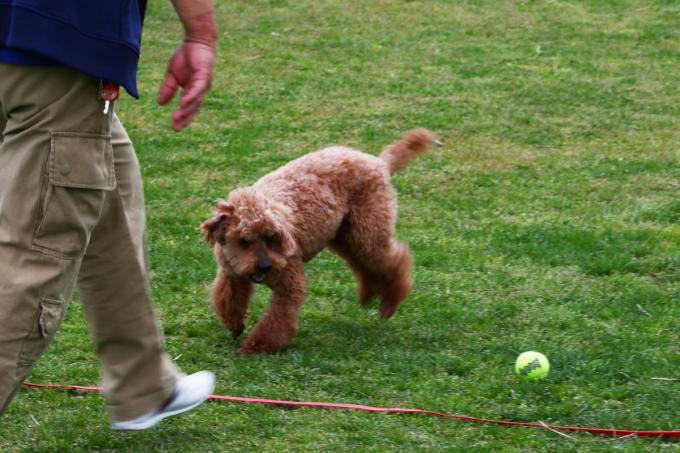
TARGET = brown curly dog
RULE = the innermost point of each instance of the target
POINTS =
(338, 198)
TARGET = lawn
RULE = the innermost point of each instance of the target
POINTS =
(549, 221)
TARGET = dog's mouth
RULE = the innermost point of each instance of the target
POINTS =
(257, 277)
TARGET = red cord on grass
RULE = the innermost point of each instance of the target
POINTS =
(360, 407)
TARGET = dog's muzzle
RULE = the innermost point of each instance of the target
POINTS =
(263, 266)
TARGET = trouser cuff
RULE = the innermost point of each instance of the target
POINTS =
(144, 404)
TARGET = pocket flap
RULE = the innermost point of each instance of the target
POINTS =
(51, 312)
(82, 160)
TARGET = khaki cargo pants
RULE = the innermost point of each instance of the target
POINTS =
(72, 212)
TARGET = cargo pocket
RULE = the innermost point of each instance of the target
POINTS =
(79, 172)
(49, 317)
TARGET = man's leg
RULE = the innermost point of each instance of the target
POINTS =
(53, 179)
(58, 193)
(3, 121)
(114, 290)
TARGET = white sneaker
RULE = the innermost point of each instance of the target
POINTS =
(190, 391)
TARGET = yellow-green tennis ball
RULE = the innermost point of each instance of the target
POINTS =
(532, 365)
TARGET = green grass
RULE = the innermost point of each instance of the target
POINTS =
(549, 222)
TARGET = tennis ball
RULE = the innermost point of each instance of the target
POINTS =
(532, 365)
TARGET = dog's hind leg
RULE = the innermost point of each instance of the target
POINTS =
(230, 299)
(278, 325)
(398, 283)
(367, 287)
(366, 241)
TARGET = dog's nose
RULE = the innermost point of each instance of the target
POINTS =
(263, 263)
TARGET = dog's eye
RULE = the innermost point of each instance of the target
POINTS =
(245, 243)
(272, 238)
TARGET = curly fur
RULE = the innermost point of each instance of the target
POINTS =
(338, 198)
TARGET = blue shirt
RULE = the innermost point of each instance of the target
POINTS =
(23, 57)
(101, 38)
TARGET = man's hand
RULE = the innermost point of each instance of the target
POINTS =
(191, 69)
(191, 66)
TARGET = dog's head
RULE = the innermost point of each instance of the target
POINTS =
(251, 235)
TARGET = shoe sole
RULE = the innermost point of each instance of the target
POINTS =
(155, 420)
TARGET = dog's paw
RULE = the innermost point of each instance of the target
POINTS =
(244, 350)
(387, 310)
(254, 346)
(236, 329)
(252, 349)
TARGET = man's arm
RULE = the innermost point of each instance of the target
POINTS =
(198, 18)
(191, 65)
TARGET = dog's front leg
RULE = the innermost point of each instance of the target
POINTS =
(230, 298)
(279, 323)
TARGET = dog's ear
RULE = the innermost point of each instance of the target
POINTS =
(223, 206)
(281, 214)
(288, 243)
(215, 228)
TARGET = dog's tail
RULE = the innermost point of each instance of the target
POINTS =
(399, 155)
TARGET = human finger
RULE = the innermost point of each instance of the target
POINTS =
(181, 119)
(168, 89)
(195, 90)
